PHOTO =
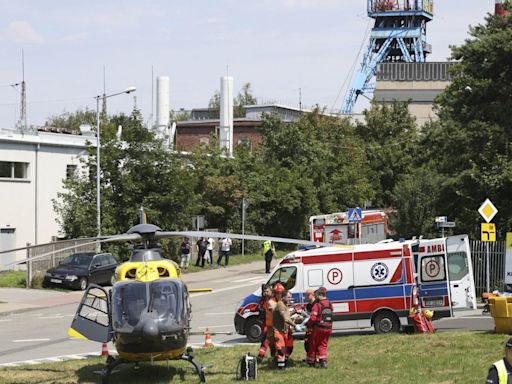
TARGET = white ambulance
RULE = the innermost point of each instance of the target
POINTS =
(372, 284)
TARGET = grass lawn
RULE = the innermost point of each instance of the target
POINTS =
(13, 279)
(441, 358)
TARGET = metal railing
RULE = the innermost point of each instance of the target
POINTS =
(497, 265)
(39, 265)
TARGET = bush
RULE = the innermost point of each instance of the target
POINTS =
(37, 280)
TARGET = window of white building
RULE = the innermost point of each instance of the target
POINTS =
(13, 170)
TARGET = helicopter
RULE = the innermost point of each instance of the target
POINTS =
(147, 313)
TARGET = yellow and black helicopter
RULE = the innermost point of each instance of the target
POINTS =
(147, 313)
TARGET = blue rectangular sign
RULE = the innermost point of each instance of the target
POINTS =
(355, 215)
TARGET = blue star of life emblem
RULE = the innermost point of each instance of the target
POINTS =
(379, 271)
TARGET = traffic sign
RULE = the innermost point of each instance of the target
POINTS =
(446, 224)
(488, 232)
(355, 215)
(488, 210)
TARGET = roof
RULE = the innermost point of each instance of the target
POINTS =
(46, 138)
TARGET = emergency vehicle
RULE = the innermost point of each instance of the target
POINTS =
(374, 284)
(337, 228)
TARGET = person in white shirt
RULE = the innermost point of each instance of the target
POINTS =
(225, 248)
(209, 248)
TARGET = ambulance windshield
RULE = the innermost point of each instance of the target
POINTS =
(286, 276)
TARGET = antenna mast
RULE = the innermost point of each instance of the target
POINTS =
(23, 114)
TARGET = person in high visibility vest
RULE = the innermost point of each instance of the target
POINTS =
(500, 372)
(321, 323)
(269, 252)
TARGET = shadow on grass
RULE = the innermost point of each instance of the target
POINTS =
(128, 373)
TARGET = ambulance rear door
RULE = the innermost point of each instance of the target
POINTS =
(460, 272)
(433, 283)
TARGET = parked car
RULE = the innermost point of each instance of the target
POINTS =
(78, 270)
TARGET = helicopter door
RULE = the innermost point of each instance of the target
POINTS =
(92, 318)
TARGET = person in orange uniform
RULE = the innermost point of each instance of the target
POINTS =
(320, 323)
(267, 304)
(282, 322)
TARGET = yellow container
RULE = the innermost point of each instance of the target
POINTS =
(501, 311)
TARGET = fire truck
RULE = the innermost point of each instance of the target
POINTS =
(336, 228)
(374, 284)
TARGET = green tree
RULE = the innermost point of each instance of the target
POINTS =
(471, 142)
(390, 136)
(71, 121)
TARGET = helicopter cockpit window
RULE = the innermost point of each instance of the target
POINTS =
(129, 301)
(286, 275)
(166, 300)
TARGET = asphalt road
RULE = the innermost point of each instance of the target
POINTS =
(42, 333)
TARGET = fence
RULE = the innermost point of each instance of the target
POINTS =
(496, 263)
(38, 262)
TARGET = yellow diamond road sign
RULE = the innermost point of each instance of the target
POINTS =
(487, 210)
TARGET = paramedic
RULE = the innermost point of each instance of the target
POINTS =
(500, 371)
(282, 323)
(267, 305)
(321, 323)
(310, 298)
(268, 251)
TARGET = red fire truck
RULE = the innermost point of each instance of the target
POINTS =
(335, 228)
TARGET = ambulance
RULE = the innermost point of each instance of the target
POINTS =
(374, 285)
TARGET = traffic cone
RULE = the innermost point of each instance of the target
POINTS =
(104, 350)
(207, 339)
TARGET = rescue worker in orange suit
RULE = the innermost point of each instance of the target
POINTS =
(501, 371)
(282, 323)
(320, 323)
(267, 305)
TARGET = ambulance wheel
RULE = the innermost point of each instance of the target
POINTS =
(253, 329)
(385, 322)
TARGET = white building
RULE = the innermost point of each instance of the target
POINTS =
(33, 166)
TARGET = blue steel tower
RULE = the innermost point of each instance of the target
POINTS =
(399, 35)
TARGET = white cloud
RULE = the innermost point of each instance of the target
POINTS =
(22, 32)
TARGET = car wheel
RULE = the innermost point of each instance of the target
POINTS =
(253, 329)
(82, 283)
(385, 322)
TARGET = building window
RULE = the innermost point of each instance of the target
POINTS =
(70, 171)
(245, 141)
(13, 170)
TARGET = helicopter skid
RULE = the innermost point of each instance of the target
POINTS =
(113, 362)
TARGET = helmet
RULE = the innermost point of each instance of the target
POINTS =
(428, 313)
(278, 288)
(321, 291)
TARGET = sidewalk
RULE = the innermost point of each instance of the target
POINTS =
(16, 300)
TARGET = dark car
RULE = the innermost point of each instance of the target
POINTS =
(78, 270)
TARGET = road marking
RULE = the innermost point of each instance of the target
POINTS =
(51, 317)
(5, 320)
(29, 340)
(250, 279)
(219, 313)
(216, 326)
(219, 290)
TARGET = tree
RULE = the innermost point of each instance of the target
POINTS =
(471, 142)
(71, 121)
(390, 136)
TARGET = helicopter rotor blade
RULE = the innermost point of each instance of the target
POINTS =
(116, 238)
(161, 235)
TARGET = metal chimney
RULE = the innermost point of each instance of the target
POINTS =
(162, 108)
(226, 115)
(499, 8)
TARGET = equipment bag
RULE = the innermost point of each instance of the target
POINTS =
(247, 368)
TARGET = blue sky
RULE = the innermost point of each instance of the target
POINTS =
(278, 46)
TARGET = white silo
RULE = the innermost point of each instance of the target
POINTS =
(226, 115)
(162, 108)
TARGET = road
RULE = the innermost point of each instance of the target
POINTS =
(42, 333)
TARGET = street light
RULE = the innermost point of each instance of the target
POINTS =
(98, 169)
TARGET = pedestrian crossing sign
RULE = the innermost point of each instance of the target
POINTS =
(355, 215)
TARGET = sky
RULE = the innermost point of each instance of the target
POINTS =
(279, 46)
